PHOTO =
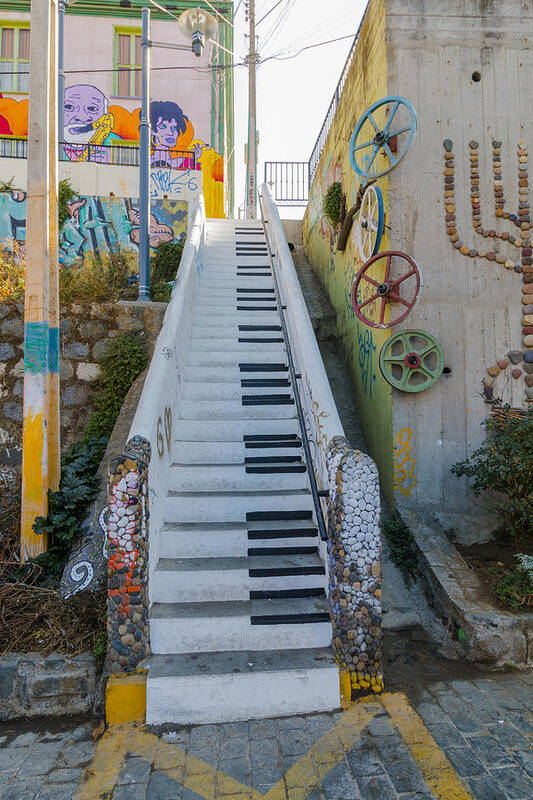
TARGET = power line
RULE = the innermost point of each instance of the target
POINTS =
(269, 12)
(308, 47)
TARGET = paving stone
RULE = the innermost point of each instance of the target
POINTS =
(39, 763)
(187, 795)
(467, 723)
(24, 740)
(318, 726)
(485, 788)
(465, 761)
(509, 736)
(57, 791)
(22, 790)
(525, 759)
(231, 729)
(82, 733)
(380, 726)
(206, 754)
(515, 781)
(237, 768)
(180, 738)
(161, 787)
(233, 748)
(291, 724)
(203, 735)
(265, 752)
(264, 778)
(133, 791)
(446, 735)
(294, 742)
(506, 701)
(12, 758)
(390, 748)
(405, 776)
(262, 729)
(135, 770)
(363, 763)
(64, 776)
(339, 782)
(76, 755)
(469, 691)
(489, 750)
(430, 712)
(289, 761)
(451, 703)
(376, 787)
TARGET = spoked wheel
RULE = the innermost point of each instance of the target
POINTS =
(382, 137)
(397, 292)
(411, 361)
(369, 223)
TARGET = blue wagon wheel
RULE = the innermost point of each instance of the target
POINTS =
(382, 137)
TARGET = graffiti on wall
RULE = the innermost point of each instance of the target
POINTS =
(366, 350)
(95, 130)
(404, 462)
(97, 225)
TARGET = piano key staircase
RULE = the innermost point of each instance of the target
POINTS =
(239, 619)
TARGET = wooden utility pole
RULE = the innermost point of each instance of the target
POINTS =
(40, 443)
(251, 163)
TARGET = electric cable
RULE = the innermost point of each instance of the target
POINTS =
(269, 12)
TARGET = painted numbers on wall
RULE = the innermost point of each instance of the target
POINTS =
(404, 463)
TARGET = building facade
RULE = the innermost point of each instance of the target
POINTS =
(191, 115)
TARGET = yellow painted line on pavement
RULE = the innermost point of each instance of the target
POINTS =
(308, 772)
(101, 774)
(305, 775)
(436, 769)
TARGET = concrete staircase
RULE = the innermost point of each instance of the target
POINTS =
(239, 621)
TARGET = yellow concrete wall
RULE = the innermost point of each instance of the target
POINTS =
(366, 83)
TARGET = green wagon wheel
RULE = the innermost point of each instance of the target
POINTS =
(411, 361)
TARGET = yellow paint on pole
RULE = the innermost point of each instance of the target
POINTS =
(34, 485)
(125, 698)
(436, 769)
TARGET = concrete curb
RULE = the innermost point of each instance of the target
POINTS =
(485, 635)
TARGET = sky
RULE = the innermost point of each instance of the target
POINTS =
(293, 95)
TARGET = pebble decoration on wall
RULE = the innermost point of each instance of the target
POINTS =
(127, 546)
(522, 242)
(354, 552)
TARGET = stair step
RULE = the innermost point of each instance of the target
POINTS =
(276, 469)
(222, 390)
(234, 625)
(200, 580)
(192, 689)
(230, 345)
(225, 540)
(231, 478)
(238, 431)
(301, 550)
(237, 506)
(233, 409)
(270, 360)
(227, 453)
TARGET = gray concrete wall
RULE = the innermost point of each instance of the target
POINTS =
(471, 305)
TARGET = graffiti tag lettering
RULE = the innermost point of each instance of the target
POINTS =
(404, 463)
(366, 349)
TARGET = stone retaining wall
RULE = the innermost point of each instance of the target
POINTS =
(354, 552)
(86, 332)
(34, 686)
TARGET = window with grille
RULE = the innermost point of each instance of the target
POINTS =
(14, 59)
(128, 56)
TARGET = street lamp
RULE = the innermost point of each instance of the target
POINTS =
(199, 25)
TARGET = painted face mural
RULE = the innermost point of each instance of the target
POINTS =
(86, 122)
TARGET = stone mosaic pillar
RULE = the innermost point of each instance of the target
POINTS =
(127, 550)
(354, 552)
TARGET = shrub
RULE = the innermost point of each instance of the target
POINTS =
(160, 292)
(500, 471)
(12, 268)
(67, 507)
(125, 359)
(332, 203)
(64, 195)
(400, 544)
(102, 280)
(166, 261)
(516, 589)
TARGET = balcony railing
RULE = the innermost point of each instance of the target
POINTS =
(289, 182)
(124, 155)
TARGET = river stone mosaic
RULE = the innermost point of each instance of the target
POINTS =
(354, 553)
(127, 547)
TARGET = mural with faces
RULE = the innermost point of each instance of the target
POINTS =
(92, 126)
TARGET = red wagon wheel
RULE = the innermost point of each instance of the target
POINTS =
(398, 290)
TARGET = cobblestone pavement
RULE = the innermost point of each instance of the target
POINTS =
(454, 739)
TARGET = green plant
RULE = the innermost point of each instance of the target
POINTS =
(124, 360)
(165, 263)
(500, 471)
(64, 195)
(100, 648)
(401, 547)
(7, 186)
(160, 292)
(332, 203)
(102, 280)
(516, 589)
(12, 270)
(67, 507)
